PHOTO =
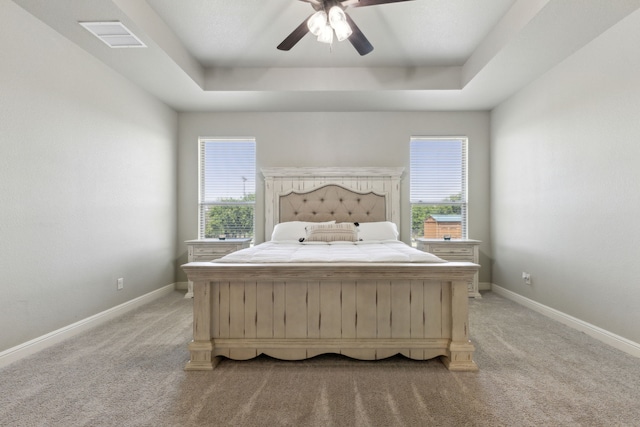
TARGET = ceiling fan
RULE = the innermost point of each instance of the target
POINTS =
(330, 18)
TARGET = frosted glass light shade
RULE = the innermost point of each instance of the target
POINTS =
(336, 14)
(338, 20)
(343, 31)
(326, 35)
(317, 22)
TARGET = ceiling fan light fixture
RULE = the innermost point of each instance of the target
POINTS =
(317, 22)
(343, 31)
(326, 35)
(336, 14)
(330, 20)
(338, 21)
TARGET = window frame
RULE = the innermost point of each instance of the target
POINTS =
(203, 203)
(463, 203)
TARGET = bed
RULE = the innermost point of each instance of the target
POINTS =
(297, 308)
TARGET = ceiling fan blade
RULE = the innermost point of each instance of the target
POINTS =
(357, 39)
(361, 3)
(295, 36)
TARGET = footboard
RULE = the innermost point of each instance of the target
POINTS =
(297, 311)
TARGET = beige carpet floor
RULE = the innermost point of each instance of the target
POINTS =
(129, 372)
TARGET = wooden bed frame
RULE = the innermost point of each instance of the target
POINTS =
(364, 311)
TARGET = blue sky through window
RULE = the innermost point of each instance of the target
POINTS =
(229, 168)
(437, 169)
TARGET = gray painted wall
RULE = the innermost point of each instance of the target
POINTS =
(564, 183)
(88, 183)
(335, 139)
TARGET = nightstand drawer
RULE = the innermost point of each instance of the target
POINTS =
(455, 258)
(213, 251)
(206, 258)
(453, 251)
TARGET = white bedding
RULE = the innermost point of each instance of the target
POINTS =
(366, 252)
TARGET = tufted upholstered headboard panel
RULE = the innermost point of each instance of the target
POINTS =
(332, 202)
(321, 194)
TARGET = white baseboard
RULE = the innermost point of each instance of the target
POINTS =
(600, 334)
(182, 286)
(484, 286)
(37, 344)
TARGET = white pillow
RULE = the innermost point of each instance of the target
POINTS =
(292, 230)
(383, 230)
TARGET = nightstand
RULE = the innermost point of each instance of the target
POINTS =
(210, 249)
(455, 250)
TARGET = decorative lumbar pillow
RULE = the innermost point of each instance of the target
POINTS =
(292, 230)
(383, 230)
(342, 232)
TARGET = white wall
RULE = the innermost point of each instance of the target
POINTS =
(565, 170)
(87, 183)
(335, 139)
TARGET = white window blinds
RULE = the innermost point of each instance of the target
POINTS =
(438, 170)
(227, 187)
(438, 179)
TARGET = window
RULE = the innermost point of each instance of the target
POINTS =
(438, 187)
(227, 187)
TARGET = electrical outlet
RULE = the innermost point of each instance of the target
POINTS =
(120, 283)
(526, 277)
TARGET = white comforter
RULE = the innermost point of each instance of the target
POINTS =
(293, 252)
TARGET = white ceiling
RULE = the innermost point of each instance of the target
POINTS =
(220, 55)
(408, 34)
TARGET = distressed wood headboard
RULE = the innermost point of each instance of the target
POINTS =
(320, 194)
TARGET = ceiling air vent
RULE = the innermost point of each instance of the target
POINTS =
(113, 34)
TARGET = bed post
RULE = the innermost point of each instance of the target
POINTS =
(460, 351)
(201, 348)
